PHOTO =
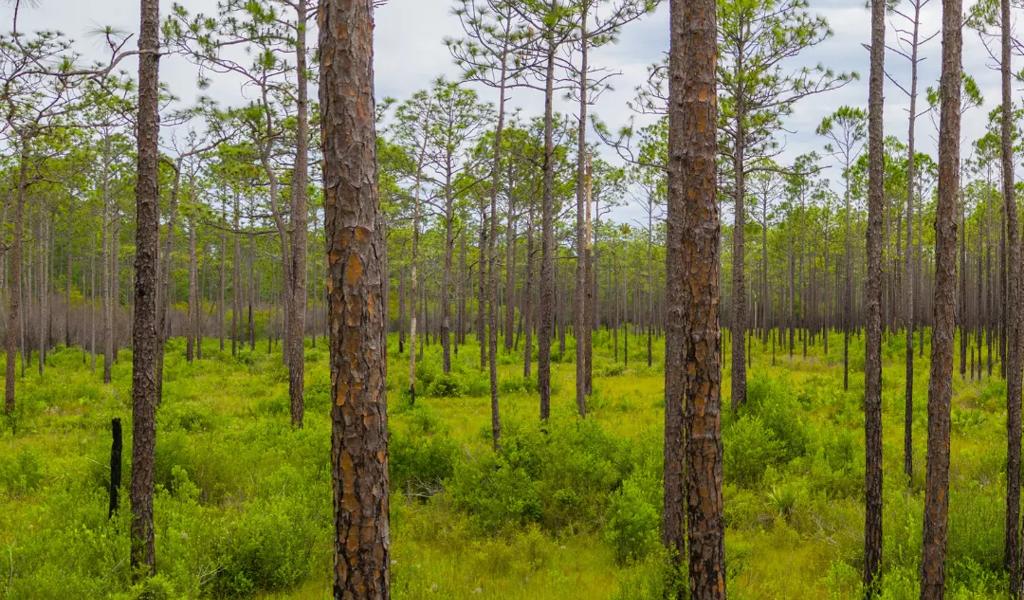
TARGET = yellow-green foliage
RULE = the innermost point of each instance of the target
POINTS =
(570, 509)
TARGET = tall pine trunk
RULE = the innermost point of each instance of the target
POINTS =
(546, 307)
(873, 349)
(936, 502)
(693, 340)
(1013, 315)
(355, 245)
(145, 337)
(297, 319)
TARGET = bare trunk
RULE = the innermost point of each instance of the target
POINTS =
(145, 337)
(693, 339)
(297, 289)
(355, 245)
(936, 503)
(873, 294)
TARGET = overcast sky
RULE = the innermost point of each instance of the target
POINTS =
(410, 53)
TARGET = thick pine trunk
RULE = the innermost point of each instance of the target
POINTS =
(355, 245)
(693, 339)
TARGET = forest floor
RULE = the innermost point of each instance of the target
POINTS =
(570, 510)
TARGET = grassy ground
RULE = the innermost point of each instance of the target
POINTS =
(567, 511)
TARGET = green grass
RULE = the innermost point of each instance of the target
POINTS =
(567, 511)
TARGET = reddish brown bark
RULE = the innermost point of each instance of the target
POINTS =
(355, 250)
(936, 503)
(145, 340)
(693, 339)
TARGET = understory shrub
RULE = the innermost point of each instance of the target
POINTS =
(634, 518)
(560, 479)
(749, 448)
(446, 385)
(20, 474)
(419, 465)
(267, 548)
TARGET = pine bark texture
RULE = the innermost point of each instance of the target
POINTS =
(1013, 315)
(297, 289)
(693, 355)
(145, 338)
(936, 502)
(873, 350)
(355, 251)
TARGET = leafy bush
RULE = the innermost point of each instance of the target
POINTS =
(446, 385)
(749, 448)
(419, 465)
(267, 548)
(189, 416)
(560, 479)
(20, 474)
(780, 412)
(517, 385)
(976, 526)
(633, 519)
(495, 493)
(421, 419)
(476, 384)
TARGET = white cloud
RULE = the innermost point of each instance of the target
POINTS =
(410, 53)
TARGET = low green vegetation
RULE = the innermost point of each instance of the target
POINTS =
(570, 509)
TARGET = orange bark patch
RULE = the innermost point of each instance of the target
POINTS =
(353, 270)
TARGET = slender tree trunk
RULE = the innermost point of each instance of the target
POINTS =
(236, 282)
(67, 298)
(547, 267)
(251, 293)
(962, 296)
(908, 283)
(847, 278)
(414, 286)
(297, 318)
(579, 306)
(14, 278)
(92, 310)
(590, 316)
(510, 272)
(194, 313)
(492, 339)
(528, 312)
(221, 289)
(936, 503)
(481, 288)
(145, 337)
(1013, 315)
(446, 275)
(41, 268)
(873, 349)
(163, 291)
(359, 440)
(109, 291)
(739, 286)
